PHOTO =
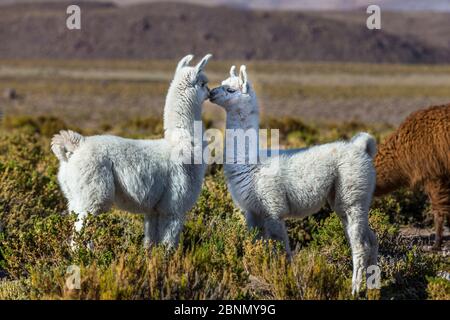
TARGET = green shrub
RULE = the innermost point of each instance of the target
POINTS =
(218, 258)
(28, 180)
(438, 288)
(46, 126)
(293, 131)
(330, 240)
(13, 290)
(142, 127)
(405, 207)
(308, 276)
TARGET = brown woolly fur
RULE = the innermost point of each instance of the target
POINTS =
(417, 155)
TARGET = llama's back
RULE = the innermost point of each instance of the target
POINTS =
(140, 169)
(298, 182)
(420, 147)
(135, 171)
(433, 127)
(320, 161)
(308, 175)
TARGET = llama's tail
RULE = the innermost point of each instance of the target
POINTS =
(366, 142)
(65, 143)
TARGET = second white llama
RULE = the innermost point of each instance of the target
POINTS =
(340, 173)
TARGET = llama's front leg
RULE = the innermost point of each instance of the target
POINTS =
(254, 221)
(439, 194)
(150, 229)
(170, 226)
(80, 221)
(275, 229)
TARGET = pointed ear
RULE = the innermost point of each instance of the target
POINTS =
(202, 64)
(233, 71)
(243, 79)
(185, 61)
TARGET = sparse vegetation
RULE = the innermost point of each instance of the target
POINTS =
(218, 258)
(126, 90)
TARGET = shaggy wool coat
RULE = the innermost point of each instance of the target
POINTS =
(297, 183)
(140, 176)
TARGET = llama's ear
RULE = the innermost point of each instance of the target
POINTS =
(233, 71)
(202, 64)
(243, 79)
(185, 61)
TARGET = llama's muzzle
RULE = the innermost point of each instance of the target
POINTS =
(214, 93)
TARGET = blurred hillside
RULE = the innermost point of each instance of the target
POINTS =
(169, 30)
(397, 5)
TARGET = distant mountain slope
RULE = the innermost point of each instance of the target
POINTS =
(169, 30)
(397, 5)
(429, 27)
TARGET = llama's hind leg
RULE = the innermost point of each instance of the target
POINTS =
(275, 229)
(254, 221)
(92, 192)
(439, 194)
(363, 244)
(82, 214)
(97, 202)
(79, 222)
(170, 225)
(151, 229)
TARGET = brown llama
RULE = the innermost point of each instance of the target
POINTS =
(417, 155)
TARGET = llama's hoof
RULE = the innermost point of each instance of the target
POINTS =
(148, 244)
(356, 288)
(73, 245)
(90, 245)
(356, 293)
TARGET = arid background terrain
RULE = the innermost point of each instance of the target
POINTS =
(319, 75)
(317, 65)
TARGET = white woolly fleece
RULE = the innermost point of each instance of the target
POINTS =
(139, 176)
(340, 173)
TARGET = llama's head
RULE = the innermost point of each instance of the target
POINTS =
(236, 94)
(190, 81)
(185, 97)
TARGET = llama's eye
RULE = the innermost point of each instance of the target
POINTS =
(231, 90)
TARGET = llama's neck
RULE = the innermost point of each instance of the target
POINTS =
(246, 115)
(242, 134)
(390, 175)
(180, 112)
(243, 121)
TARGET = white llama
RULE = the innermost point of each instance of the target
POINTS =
(140, 176)
(341, 173)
